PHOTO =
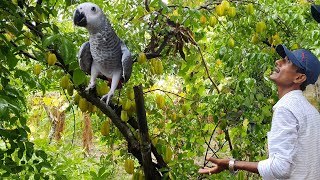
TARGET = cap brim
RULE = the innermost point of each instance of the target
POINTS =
(315, 11)
(283, 51)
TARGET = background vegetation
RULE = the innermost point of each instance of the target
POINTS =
(203, 67)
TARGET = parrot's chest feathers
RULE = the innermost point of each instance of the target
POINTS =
(106, 51)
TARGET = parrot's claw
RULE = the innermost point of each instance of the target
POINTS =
(107, 97)
(90, 87)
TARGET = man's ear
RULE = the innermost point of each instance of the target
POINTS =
(300, 78)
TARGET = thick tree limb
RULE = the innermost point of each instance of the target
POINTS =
(145, 144)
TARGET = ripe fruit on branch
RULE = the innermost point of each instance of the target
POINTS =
(276, 39)
(260, 26)
(250, 9)
(90, 107)
(203, 19)
(52, 59)
(129, 166)
(231, 43)
(9, 36)
(83, 104)
(70, 89)
(173, 117)
(185, 108)
(15, 2)
(255, 38)
(220, 10)
(37, 69)
(175, 12)
(27, 38)
(105, 128)
(138, 175)
(142, 58)
(124, 116)
(64, 83)
(225, 4)
(126, 104)
(160, 101)
(213, 21)
(295, 46)
(232, 12)
(219, 62)
(130, 94)
(76, 98)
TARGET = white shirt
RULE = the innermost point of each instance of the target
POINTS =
(293, 141)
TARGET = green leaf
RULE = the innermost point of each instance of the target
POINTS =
(3, 108)
(93, 174)
(79, 77)
(49, 40)
(41, 154)
(101, 171)
(25, 76)
(67, 50)
(266, 111)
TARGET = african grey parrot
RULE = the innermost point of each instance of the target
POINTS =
(104, 54)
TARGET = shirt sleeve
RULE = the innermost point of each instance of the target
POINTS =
(282, 141)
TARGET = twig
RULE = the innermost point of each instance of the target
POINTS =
(207, 70)
(151, 90)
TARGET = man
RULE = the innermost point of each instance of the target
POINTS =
(294, 138)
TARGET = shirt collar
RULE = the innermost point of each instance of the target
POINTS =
(287, 96)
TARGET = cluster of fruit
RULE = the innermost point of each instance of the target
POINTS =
(128, 106)
(84, 105)
(156, 66)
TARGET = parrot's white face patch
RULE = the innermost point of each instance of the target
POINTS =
(92, 12)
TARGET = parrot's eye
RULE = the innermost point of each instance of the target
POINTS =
(93, 9)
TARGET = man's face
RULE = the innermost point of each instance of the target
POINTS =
(285, 73)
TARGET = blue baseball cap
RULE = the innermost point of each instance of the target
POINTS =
(304, 59)
(315, 11)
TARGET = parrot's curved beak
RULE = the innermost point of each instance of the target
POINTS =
(79, 19)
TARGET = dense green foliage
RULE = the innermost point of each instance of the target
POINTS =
(207, 80)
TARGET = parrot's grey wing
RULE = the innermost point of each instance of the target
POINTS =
(85, 58)
(126, 61)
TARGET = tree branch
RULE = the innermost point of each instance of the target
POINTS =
(145, 144)
(227, 136)
(23, 52)
(147, 5)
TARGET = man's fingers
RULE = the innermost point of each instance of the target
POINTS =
(205, 170)
(211, 159)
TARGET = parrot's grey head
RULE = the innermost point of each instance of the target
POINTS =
(88, 15)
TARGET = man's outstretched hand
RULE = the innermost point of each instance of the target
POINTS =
(219, 166)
